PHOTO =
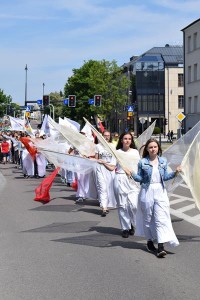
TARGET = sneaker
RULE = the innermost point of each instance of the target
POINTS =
(150, 246)
(125, 233)
(132, 230)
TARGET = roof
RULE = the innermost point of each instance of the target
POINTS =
(170, 54)
(190, 24)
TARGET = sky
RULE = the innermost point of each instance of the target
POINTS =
(52, 37)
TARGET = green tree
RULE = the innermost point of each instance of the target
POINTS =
(5, 101)
(96, 78)
(56, 99)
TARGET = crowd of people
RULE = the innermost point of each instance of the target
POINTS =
(137, 191)
(13, 150)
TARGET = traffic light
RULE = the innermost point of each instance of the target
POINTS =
(165, 121)
(97, 100)
(45, 100)
(72, 101)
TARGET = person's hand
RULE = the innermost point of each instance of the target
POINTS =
(178, 169)
(127, 171)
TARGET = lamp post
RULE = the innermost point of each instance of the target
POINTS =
(43, 85)
(26, 69)
(51, 105)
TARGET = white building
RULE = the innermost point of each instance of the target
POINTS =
(191, 38)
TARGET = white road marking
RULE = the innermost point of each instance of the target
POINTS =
(181, 211)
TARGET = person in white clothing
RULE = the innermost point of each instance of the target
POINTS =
(105, 173)
(126, 190)
(154, 202)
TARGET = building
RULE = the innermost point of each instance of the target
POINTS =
(158, 88)
(191, 41)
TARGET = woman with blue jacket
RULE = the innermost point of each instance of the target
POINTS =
(154, 202)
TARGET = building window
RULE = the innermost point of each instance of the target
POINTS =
(180, 80)
(195, 41)
(195, 72)
(189, 105)
(189, 74)
(180, 101)
(195, 104)
(189, 43)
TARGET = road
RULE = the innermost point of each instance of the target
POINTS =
(62, 250)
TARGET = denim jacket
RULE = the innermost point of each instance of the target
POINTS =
(145, 172)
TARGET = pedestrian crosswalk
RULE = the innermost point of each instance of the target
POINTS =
(183, 206)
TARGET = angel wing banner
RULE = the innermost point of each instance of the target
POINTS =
(76, 139)
(70, 162)
(176, 152)
(191, 169)
(145, 136)
(17, 124)
(122, 159)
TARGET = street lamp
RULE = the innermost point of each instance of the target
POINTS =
(26, 69)
(51, 105)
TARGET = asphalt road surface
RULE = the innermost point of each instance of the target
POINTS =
(62, 250)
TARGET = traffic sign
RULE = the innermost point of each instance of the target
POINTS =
(180, 117)
(130, 108)
(65, 101)
(142, 120)
(39, 102)
(91, 101)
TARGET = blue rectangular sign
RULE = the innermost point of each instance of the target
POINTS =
(65, 101)
(39, 102)
(130, 108)
(91, 101)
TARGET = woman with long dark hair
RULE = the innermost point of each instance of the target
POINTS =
(126, 190)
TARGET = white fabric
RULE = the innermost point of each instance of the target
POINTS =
(176, 152)
(145, 136)
(28, 164)
(41, 164)
(76, 124)
(48, 129)
(77, 140)
(191, 169)
(154, 204)
(127, 191)
(86, 186)
(17, 124)
(67, 123)
(104, 178)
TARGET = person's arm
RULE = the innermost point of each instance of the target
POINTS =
(106, 165)
(139, 176)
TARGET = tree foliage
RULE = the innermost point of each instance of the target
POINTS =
(5, 101)
(96, 78)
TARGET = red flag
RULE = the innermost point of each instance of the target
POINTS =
(42, 191)
(99, 124)
(31, 149)
(74, 185)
